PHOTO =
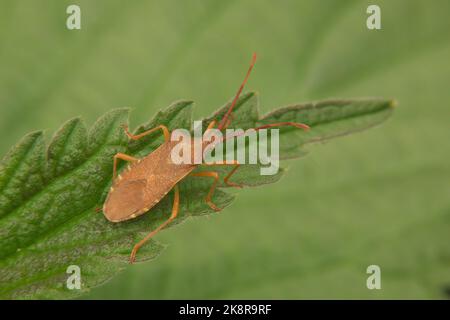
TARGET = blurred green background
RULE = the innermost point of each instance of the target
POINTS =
(380, 197)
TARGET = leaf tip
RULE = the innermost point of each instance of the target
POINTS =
(117, 113)
(393, 103)
(35, 134)
(249, 94)
(182, 103)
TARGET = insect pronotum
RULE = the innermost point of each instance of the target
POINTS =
(146, 181)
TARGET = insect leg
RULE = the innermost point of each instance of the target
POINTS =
(164, 129)
(175, 208)
(299, 125)
(214, 175)
(121, 156)
(233, 171)
(211, 125)
(232, 184)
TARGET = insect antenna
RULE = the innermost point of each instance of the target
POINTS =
(225, 118)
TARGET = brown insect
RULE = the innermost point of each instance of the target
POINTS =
(146, 181)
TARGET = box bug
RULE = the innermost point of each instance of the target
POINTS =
(146, 181)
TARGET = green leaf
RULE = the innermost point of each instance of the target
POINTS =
(49, 198)
(329, 118)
